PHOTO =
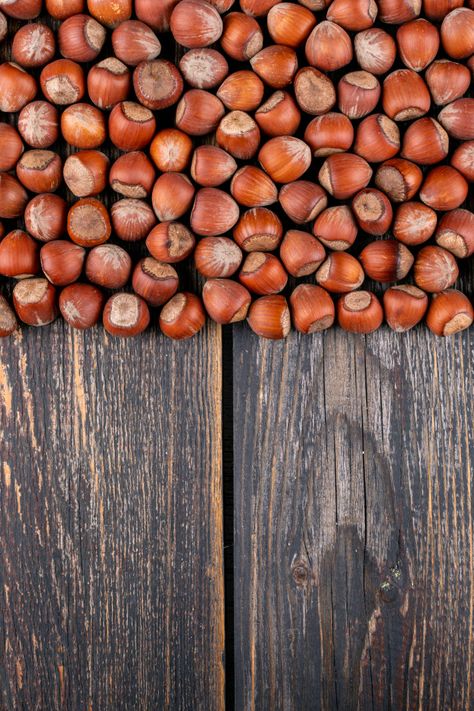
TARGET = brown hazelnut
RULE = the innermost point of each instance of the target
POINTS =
(183, 316)
(13, 197)
(405, 95)
(400, 179)
(85, 173)
(312, 309)
(285, 158)
(217, 257)
(203, 68)
(170, 242)
(269, 317)
(242, 90)
(252, 187)
(81, 38)
(17, 88)
(88, 223)
(386, 260)
(81, 305)
(418, 44)
(425, 142)
(458, 119)
(62, 261)
(195, 23)
(358, 94)
(258, 230)
(328, 134)
(131, 126)
(33, 45)
(359, 312)
(8, 322)
(340, 273)
(62, 82)
(158, 84)
(414, 223)
(457, 33)
(444, 188)
(132, 220)
(108, 83)
(276, 65)
(328, 47)
(289, 23)
(155, 281)
(239, 135)
(125, 315)
(463, 160)
(35, 302)
(172, 196)
(199, 112)
(11, 147)
(108, 265)
(279, 115)
(377, 138)
(40, 171)
(18, 255)
(38, 124)
(375, 50)
(214, 212)
(373, 211)
(447, 81)
(263, 273)
(132, 175)
(109, 13)
(171, 150)
(449, 312)
(435, 269)
(344, 174)
(226, 301)
(83, 126)
(456, 233)
(404, 306)
(242, 37)
(45, 217)
(302, 200)
(394, 12)
(336, 228)
(301, 253)
(211, 166)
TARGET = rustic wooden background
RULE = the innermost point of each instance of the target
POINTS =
(234, 523)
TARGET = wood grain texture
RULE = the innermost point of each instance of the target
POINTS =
(111, 522)
(354, 585)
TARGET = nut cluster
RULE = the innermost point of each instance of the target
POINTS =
(297, 153)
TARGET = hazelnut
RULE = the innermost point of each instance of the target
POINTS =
(289, 23)
(399, 179)
(457, 33)
(203, 68)
(88, 223)
(172, 196)
(158, 84)
(155, 13)
(17, 88)
(269, 317)
(108, 83)
(458, 119)
(131, 126)
(263, 273)
(444, 188)
(45, 217)
(336, 228)
(344, 174)
(195, 23)
(258, 230)
(8, 322)
(155, 281)
(375, 50)
(170, 242)
(238, 134)
(405, 95)
(13, 197)
(18, 255)
(438, 9)
(447, 81)
(301, 253)
(12, 147)
(214, 212)
(211, 166)
(62, 82)
(449, 312)
(386, 260)
(340, 273)
(377, 138)
(81, 38)
(109, 266)
(463, 160)
(62, 261)
(171, 150)
(81, 305)
(252, 187)
(276, 65)
(328, 47)
(418, 44)
(242, 90)
(314, 91)
(62, 9)
(435, 269)
(404, 306)
(226, 301)
(132, 175)
(414, 223)
(125, 315)
(38, 124)
(425, 142)
(302, 200)
(199, 112)
(373, 211)
(358, 94)
(33, 45)
(22, 9)
(183, 316)
(35, 302)
(359, 312)
(40, 171)
(109, 13)
(456, 233)
(217, 257)
(328, 134)
(279, 115)
(312, 309)
(242, 37)
(85, 173)
(285, 158)
(394, 12)
(83, 126)
(132, 220)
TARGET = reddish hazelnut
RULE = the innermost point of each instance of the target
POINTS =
(62, 261)
(414, 223)
(171, 150)
(258, 230)
(375, 50)
(125, 315)
(263, 273)
(38, 124)
(199, 112)
(33, 45)
(170, 242)
(88, 223)
(328, 134)
(458, 119)
(269, 317)
(457, 33)
(285, 158)
(301, 253)
(172, 196)
(131, 126)
(312, 309)
(302, 200)
(279, 115)
(158, 84)
(353, 15)
(183, 316)
(463, 160)
(108, 265)
(18, 255)
(252, 187)
(438, 9)
(83, 126)
(81, 305)
(290, 24)
(62, 9)
(425, 142)
(449, 312)
(22, 9)
(435, 269)
(211, 166)
(214, 212)
(154, 281)
(444, 188)
(242, 90)
(62, 82)
(17, 88)
(418, 44)
(13, 197)
(8, 322)
(134, 42)
(11, 147)
(344, 174)
(447, 81)
(257, 8)
(328, 47)
(217, 257)
(109, 13)
(203, 68)
(336, 228)
(358, 94)
(35, 302)
(108, 83)
(394, 12)
(132, 175)
(85, 173)
(155, 13)
(386, 260)
(45, 217)
(405, 95)
(359, 312)
(404, 306)
(340, 273)
(195, 23)
(81, 38)
(399, 179)
(132, 220)
(40, 171)
(239, 135)
(242, 37)
(226, 301)
(276, 65)
(456, 233)
(377, 138)
(373, 211)
(314, 91)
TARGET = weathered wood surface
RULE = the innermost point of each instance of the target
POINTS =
(354, 579)
(110, 522)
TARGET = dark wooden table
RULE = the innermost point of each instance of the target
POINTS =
(352, 559)
(234, 523)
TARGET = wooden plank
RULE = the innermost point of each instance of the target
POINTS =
(111, 522)
(354, 584)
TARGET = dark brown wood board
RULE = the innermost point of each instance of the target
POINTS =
(110, 522)
(353, 558)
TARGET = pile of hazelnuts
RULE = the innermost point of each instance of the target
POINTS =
(326, 141)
